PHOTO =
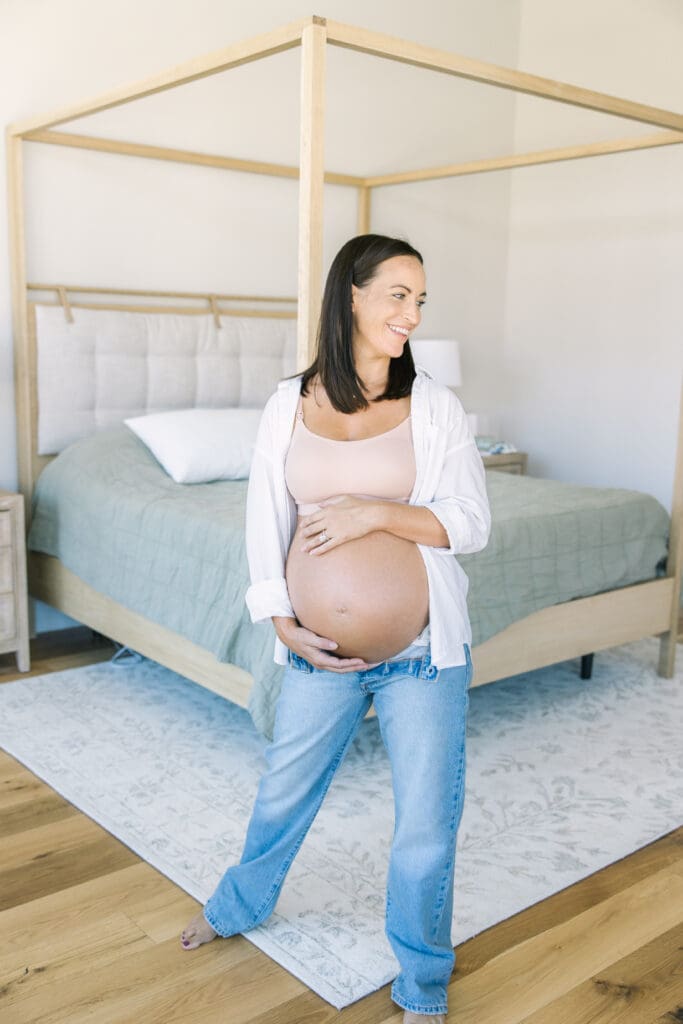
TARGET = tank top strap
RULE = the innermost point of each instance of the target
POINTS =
(300, 409)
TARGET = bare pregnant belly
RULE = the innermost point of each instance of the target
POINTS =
(370, 595)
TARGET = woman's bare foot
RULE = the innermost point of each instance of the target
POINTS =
(197, 932)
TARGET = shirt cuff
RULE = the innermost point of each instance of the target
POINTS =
(267, 598)
(451, 549)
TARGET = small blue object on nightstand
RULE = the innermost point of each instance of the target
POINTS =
(490, 446)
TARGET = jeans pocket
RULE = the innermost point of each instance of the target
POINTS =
(299, 663)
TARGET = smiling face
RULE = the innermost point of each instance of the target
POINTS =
(387, 309)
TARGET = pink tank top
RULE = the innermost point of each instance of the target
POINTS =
(317, 468)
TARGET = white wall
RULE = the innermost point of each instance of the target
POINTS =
(119, 221)
(593, 351)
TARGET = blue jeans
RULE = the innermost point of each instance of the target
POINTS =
(422, 713)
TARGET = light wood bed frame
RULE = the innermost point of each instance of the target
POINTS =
(553, 634)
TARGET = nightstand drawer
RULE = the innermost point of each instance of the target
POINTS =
(8, 622)
(5, 528)
(6, 573)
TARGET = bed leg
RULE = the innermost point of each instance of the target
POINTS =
(586, 666)
(667, 655)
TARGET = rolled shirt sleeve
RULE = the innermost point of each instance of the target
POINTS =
(267, 526)
(460, 501)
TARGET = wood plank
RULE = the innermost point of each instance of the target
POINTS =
(243, 52)
(159, 983)
(29, 811)
(309, 1008)
(11, 769)
(67, 953)
(127, 888)
(25, 799)
(181, 156)
(564, 905)
(49, 839)
(408, 52)
(59, 664)
(636, 988)
(546, 156)
(163, 919)
(56, 868)
(524, 979)
(10, 674)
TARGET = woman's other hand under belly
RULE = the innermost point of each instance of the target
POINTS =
(318, 650)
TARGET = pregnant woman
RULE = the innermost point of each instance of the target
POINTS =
(365, 484)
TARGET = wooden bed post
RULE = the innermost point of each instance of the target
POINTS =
(311, 181)
(22, 369)
(674, 564)
(364, 196)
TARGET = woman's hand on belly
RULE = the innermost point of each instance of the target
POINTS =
(314, 648)
(343, 519)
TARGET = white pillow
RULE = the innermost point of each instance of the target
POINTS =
(196, 446)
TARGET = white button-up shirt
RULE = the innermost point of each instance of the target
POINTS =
(450, 480)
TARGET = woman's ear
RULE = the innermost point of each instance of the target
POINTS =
(354, 292)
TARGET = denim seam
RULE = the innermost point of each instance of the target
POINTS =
(458, 802)
(443, 885)
(285, 868)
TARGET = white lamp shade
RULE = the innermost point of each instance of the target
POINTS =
(440, 357)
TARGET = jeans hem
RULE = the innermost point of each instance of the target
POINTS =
(416, 1008)
(214, 924)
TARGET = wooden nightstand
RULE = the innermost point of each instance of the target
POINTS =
(510, 462)
(13, 591)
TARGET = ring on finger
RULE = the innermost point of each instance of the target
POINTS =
(323, 537)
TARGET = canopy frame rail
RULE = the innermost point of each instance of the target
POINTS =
(151, 293)
(183, 156)
(313, 34)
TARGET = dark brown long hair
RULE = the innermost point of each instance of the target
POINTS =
(355, 263)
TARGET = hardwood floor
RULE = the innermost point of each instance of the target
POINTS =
(89, 932)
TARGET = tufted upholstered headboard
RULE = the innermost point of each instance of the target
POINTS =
(96, 366)
(108, 364)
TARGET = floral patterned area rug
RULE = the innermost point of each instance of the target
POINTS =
(564, 776)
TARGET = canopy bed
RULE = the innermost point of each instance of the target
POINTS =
(640, 600)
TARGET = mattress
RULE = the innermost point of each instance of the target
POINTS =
(175, 553)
